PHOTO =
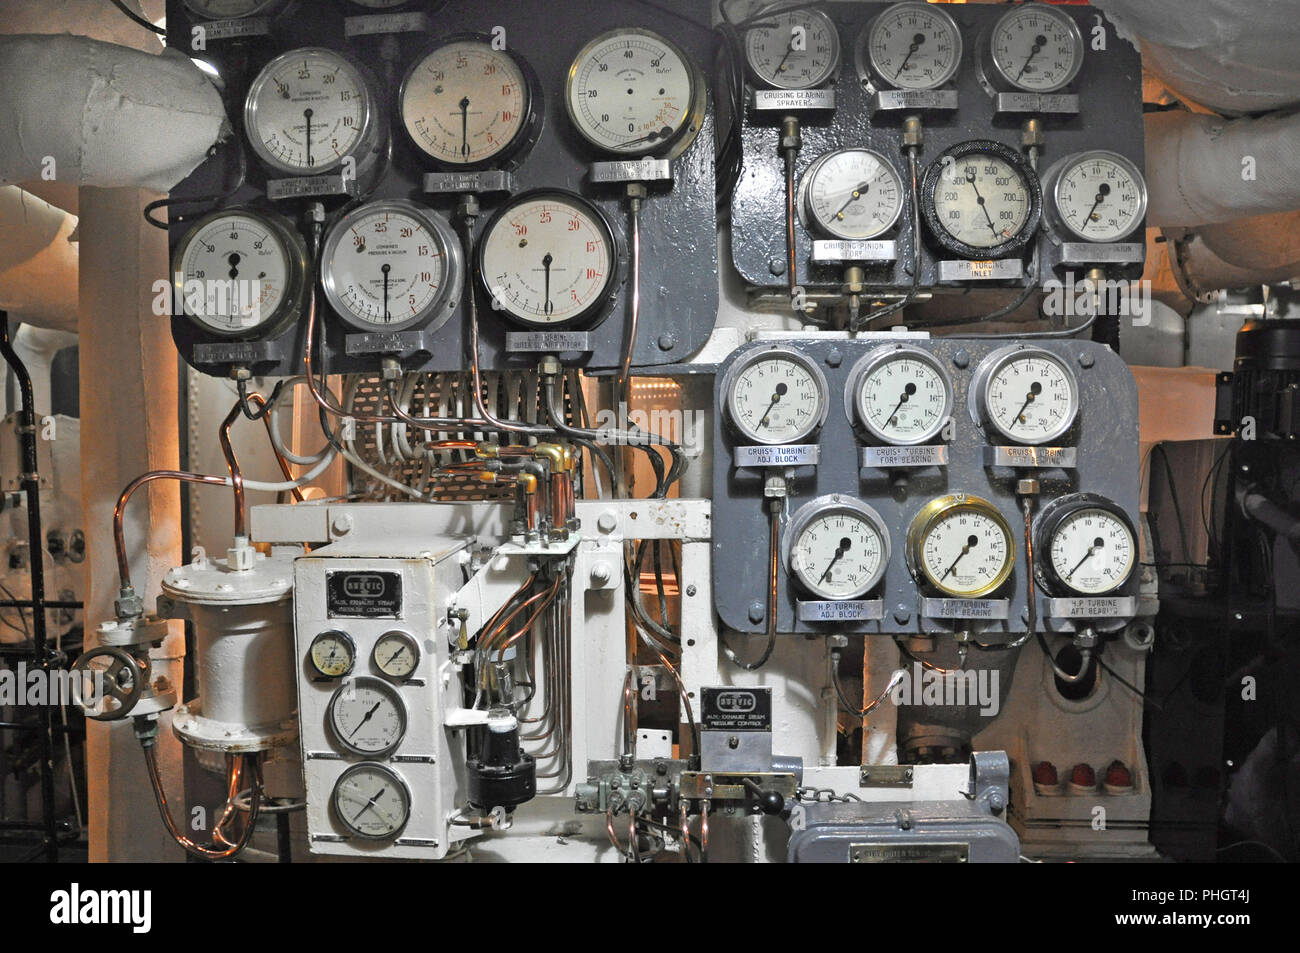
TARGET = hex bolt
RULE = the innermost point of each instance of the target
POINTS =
(1086, 359)
(756, 612)
(607, 522)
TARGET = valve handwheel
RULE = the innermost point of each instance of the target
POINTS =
(111, 680)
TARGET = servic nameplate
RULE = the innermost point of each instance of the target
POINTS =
(1093, 607)
(793, 100)
(1000, 269)
(1103, 253)
(965, 608)
(929, 455)
(849, 610)
(1051, 103)
(832, 250)
(890, 99)
(1064, 457)
(784, 455)
(493, 180)
(311, 186)
(386, 23)
(648, 169)
(229, 30)
(548, 342)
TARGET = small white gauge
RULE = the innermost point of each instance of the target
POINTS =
(371, 801)
(310, 109)
(1036, 48)
(961, 546)
(775, 396)
(793, 49)
(981, 200)
(1097, 196)
(332, 654)
(465, 103)
(912, 46)
(1087, 546)
(548, 259)
(1026, 395)
(632, 92)
(838, 547)
(231, 9)
(367, 716)
(900, 395)
(852, 194)
(392, 265)
(241, 273)
(396, 655)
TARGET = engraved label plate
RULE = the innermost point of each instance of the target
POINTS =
(548, 342)
(475, 182)
(930, 455)
(386, 23)
(1067, 458)
(385, 342)
(785, 455)
(827, 250)
(234, 29)
(793, 100)
(1103, 253)
(965, 608)
(920, 853)
(847, 610)
(890, 99)
(648, 169)
(1066, 104)
(237, 352)
(1001, 269)
(310, 186)
(1093, 607)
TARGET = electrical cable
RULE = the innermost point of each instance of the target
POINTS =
(139, 19)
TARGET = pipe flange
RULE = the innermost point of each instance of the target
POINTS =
(126, 633)
(213, 582)
(226, 737)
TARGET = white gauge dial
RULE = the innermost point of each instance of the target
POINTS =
(962, 546)
(914, 46)
(793, 49)
(902, 396)
(332, 654)
(465, 103)
(980, 200)
(230, 9)
(1092, 551)
(367, 716)
(396, 655)
(1028, 395)
(775, 397)
(853, 194)
(548, 258)
(1036, 48)
(308, 110)
(631, 92)
(839, 548)
(392, 264)
(1099, 196)
(371, 801)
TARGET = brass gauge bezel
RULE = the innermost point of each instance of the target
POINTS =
(939, 510)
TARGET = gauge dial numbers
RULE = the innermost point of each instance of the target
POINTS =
(549, 259)
(838, 548)
(1025, 395)
(1086, 546)
(1036, 48)
(241, 273)
(961, 546)
(396, 655)
(332, 654)
(371, 801)
(1097, 196)
(392, 265)
(901, 396)
(775, 396)
(981, 200)
(632, 92)
(793, 49)
(852, 194)
(367, 717)
(911, 46)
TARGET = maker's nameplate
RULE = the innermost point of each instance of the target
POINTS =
(384, 342)
(848, 610)
(965, 608)
(1093, 607)
(386, 23)
(548, 342)
(648, 169)
(1103, 253)
(890, 99)
(1064, 104)
(492, 180)
(999, 269)
(830, 250)
(793, 100)
(1064, 457)
(236, 352)
(228, 30)
(929, 455)
(311, 186)
(909, 853)
(781, 455)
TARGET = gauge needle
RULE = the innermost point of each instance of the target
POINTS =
(663, 133)
(1034, 390)
(547, 260)
(856, 194)
(362, 722)
(1040, 41)
(908, 391)
(371, 803)
(386, 269)
(970, 177)
(307, 114)
(395, 656)
(845, 545)
(776, 399)
(1097, 544)
(917, 40)
(464, 126)
(971, 543)
(1103, 190)
(780, 67)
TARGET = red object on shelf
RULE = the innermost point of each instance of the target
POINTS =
(1083, 776)
(1118, 775)
(1045, 773)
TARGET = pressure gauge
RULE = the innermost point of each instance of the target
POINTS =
(466, 103)
(332, 654)
(1097, 196)
(367, 716)
(911, 46)
(852, 194)
(392, 265)
(310, 109)
(900, 395)
(632, 92)
(1035, 48)
(775, 396)
(793, 49)
(1024, 394)
(1086, 546)
(371, 801)
(838, 547)
(396, 655)
(241, 273)
(961, 546)
(231, 9)
(981, 199)
(549, 259)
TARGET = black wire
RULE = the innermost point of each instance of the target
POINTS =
(1173, 496)
(139, 19)
(214, 198)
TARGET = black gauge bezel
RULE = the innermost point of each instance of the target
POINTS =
(1049, 522)
(940, 235)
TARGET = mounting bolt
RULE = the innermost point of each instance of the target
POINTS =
(1086, 359)
(342, 524)
(667, 342)
(835, 357)
(902, 616)
(776, 266)
(691, 590)
(607, 522)
(961, 358)
(756, 612)
(601, 575)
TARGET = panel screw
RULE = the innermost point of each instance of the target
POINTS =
(733, 742)
(902, 617)
(1086, 359)
(342, 525)
(756, 612)
(691, 590)
(776, 266)
(667, 342)
(961, 358)
(834, 358)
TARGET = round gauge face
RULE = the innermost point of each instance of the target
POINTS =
(794, 49)
(1100, 197)
(466, 103)
(839, 552)
(631, 92)
(396, 655)
(230, 9)
(307, 110)
(548, 259)
(372, 801)
(981, 201)
(776, 398)
(902, 397)
(914, 46)
(966, 551)
(853, 194)
(391, 265)
(1030, 397)
(1036, 48)
(367, 716)
(1092, 551)
(332, 654)
(238, 274)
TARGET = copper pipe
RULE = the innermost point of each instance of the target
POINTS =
(119, 511)
(190, 847)
(532, 619)
(232, 464)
